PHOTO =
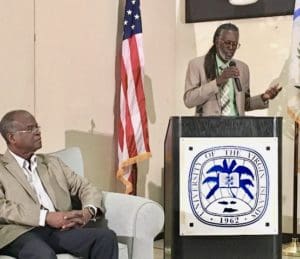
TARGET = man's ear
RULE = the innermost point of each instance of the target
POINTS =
(11, 138)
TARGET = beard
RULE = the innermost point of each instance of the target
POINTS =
(225, 55)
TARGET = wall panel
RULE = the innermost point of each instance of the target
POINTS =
(16, 56)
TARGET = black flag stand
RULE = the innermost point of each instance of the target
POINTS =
(293, 248)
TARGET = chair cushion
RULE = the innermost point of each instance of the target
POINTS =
(123, 251)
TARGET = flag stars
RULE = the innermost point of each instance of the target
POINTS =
(132, 18)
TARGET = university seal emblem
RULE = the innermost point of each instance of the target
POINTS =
(228, 186)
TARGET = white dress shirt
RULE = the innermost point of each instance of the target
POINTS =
(34, 180)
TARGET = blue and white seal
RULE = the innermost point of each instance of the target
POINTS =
(228, 186)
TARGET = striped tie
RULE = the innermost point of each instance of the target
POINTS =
(225, 100)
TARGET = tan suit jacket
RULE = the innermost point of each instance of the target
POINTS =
(205, 96)
(19, 206)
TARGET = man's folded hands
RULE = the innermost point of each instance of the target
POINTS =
(68, 219)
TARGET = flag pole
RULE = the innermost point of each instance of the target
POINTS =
(293, 248)
(295, 206)
(133, 179)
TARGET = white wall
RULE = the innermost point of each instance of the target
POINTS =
(16, 55)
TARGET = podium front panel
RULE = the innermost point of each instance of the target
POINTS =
(228, 186)
(222, 188)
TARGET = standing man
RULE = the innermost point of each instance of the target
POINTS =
(36, 215)
(216, 84)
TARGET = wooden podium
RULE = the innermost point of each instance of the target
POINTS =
(222, 184)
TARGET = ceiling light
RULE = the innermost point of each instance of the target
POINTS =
(242, 2)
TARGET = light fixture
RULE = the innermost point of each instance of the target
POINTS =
(242, 2)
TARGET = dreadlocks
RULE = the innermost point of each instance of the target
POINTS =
(210, 57)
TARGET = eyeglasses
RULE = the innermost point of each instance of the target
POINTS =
(32, 130)
(231, 44)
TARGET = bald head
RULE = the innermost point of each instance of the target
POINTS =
(21, 132)
(9, 122)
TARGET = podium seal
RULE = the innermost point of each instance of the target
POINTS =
(228, 186)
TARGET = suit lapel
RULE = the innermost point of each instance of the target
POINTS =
(43, 172)
(14, 169)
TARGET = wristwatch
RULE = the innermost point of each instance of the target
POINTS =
(92, 211)
(266, 102)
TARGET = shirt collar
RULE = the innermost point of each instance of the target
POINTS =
(220, 63)
(22, 162)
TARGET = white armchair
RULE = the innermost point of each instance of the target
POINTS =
(135, 220)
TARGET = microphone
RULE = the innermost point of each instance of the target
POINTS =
(236, 79)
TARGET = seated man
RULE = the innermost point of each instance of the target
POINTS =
(36, 215)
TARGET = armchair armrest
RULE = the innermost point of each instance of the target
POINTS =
(135, 220)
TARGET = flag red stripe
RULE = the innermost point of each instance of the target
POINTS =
(137, 75)
(130, 140)
(121, 134)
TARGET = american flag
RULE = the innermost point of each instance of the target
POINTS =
(294, 67)
(133, 138)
